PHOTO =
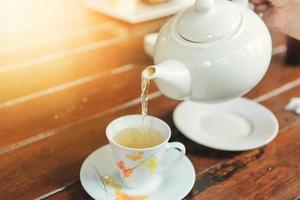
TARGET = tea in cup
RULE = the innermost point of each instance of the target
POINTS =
(138, 138)
(138, 150)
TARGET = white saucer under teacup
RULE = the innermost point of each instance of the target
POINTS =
(174, 184)
(236, 125)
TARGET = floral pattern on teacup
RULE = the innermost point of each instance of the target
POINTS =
(126, 171)
(151, 163)
(135, 157)
(110, 182)
(122, 196)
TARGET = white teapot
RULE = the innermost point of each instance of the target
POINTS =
(214, 51)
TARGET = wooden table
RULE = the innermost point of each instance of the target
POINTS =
(70, 71)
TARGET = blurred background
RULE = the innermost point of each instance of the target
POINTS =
(61, 62)
(66, 71)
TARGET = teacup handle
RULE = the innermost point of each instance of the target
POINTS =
(173, 145)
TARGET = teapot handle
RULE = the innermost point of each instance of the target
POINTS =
(244, 3)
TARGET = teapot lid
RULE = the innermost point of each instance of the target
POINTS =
(209, 20)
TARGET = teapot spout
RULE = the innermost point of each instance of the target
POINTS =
(172, 78)
(149, 73)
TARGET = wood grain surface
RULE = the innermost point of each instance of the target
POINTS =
(70, 71)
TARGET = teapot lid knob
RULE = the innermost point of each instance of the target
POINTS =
(204, 5)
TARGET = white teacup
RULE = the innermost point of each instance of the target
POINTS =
(137, 167)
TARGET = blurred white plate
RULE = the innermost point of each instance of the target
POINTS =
(237, 125)
(137, 13)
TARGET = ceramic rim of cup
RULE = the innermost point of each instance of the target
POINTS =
(111, 140)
